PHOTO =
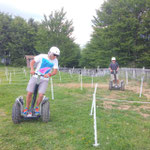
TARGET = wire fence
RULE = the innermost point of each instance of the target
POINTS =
(132, 73)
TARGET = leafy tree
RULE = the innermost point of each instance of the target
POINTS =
(17, 38)
(56, 30)
(5, 21)
(119, 30)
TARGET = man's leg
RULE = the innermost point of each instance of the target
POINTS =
(40, 97)
(42, 89)
(30, 90)
(117, 78)
(28, 99)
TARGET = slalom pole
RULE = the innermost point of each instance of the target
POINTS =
(14, 72)
(92, 107)
(70, 73)
(25, 72)
(52, 90)
(59, 76)
(95, 123)
(142, 80)
(81, 83)
(92, 82)
(6, 73)
(10, 78)
(79, 78)
(126, 77)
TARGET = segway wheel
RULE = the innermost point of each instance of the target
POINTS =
(16, 113)
(110, 85)
(122, 86)
(45, 112)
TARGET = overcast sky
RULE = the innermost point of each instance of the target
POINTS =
(80, 11)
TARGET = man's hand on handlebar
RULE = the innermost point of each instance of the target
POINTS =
(32, 72)
(47, 75)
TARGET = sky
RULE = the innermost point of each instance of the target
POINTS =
(80, 11)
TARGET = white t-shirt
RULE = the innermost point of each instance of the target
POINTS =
(45, 65)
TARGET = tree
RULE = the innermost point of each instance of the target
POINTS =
(118, 31)
(5, 21)
(17, 38)
(56, 30)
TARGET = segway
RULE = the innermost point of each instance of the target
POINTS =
(18, 107)
(114, 85)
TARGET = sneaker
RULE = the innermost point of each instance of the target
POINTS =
(25, 111)
(37, 110)
(29, 114)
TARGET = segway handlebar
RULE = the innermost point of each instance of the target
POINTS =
(40, 75)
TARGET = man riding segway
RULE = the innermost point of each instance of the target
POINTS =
(44, 64)
(114, 67)
(114, 82)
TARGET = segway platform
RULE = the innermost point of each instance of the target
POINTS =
(112, 86)
(18, 107)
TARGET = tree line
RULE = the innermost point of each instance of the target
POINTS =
(19, 37)
(121, 28)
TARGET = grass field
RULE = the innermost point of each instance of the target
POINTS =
(121, 126)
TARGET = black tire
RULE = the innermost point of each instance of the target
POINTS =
(45, 111)
(110, 85)
(16, 113)
(122, 86)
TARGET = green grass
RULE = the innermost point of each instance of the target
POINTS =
(71, 127)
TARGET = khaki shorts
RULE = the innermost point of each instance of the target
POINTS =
(42, 85)
(113, 78)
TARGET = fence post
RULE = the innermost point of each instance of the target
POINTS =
(6, 73)
(25, 72)
(59, 76)
(142, 80)
(70, 73)
(133, 74)
(79, 77)
(10, 78)
(95, 124)
(126, 77)
(52, 89)
(92, 81)
(14, 72)
(81, 82)
(92, 101)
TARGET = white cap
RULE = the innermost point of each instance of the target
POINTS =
(113, 58)
(54, 50)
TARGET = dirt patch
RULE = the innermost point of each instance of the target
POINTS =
(144, 115)
(124, 107)
(136, 89)
(2, 113)
(74, 85)
(109, 105)
(131, 86)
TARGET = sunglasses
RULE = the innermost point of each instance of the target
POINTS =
(55, 55)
